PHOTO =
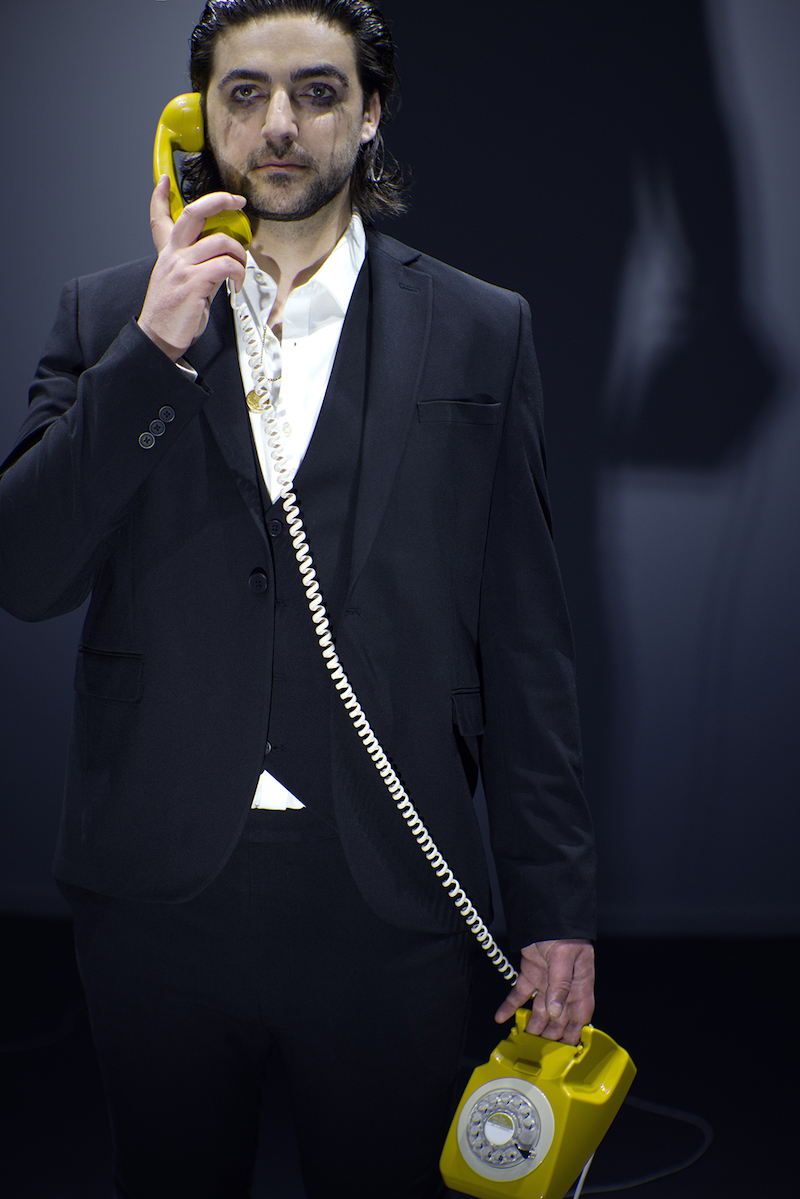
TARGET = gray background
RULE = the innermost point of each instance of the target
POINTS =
(603, 174)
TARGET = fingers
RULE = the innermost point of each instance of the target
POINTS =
(190, 268)
(516, 998)
(179, 296)
(216, 245)
(568, 1002)
(532, 978)
(189, 225)
(560, 976)
(190, 249)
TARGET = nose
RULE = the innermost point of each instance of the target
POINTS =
(279, 122)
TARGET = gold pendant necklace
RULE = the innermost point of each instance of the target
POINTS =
(255, 402)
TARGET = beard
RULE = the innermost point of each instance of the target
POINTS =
(289, 199)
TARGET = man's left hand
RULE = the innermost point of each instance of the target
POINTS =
(560, 976)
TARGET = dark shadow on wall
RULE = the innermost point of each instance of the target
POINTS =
(580, 157)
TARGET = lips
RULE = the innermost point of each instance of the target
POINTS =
(280, 165)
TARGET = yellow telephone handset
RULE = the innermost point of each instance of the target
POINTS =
(181, 128)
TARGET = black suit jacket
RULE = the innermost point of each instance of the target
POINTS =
(453, 631)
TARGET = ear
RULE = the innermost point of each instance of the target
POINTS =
(372, 117)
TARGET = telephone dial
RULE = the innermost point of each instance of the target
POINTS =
(533, 1115)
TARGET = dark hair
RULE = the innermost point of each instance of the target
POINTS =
(377, 183)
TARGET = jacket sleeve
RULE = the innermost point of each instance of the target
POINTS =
(531, 753)
(105, 409)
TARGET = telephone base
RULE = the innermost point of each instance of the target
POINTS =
(532, 1116)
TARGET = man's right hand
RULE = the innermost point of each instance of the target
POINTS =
(189, 272)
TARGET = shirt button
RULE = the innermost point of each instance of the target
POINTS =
(287, 429)
(166, 414)
(275, 527)
(157, 427)
(258, 581)
(147, 441)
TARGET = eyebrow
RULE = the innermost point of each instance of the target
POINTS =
(324, 69)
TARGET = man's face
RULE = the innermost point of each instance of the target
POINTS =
(286, 114)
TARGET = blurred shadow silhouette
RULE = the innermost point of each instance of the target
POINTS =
(591, 171)
(647, 352)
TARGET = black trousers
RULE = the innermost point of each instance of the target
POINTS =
(280, 954)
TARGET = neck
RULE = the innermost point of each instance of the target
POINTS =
(293, 251)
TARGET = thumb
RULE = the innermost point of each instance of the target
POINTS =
(161, 222)
(557, 996)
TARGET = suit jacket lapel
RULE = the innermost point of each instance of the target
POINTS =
(399, 332)
(400, 328)
(214, 356)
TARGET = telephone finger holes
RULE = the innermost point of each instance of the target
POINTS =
(505, 1128)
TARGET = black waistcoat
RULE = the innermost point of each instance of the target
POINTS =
(298, 737)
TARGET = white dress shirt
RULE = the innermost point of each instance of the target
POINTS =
(300, 363)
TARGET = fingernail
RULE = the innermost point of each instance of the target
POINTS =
(555, 1010)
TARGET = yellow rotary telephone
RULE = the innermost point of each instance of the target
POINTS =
(532, 1116)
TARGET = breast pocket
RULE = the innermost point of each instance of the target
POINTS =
(105, 674)
(479, 409)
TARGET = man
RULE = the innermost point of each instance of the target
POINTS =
(240, 878)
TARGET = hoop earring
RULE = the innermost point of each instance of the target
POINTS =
(376, 156)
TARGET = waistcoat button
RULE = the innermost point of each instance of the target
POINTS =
(275, 527)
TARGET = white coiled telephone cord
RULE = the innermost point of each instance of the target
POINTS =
(348, 697)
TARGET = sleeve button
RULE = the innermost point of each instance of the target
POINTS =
(166, 414)
(147, 441)
(157, 427)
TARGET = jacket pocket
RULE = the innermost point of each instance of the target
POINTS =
(468, 711)
(106, 674)
(477, 410)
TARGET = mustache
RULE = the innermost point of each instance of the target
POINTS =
(270, 152)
